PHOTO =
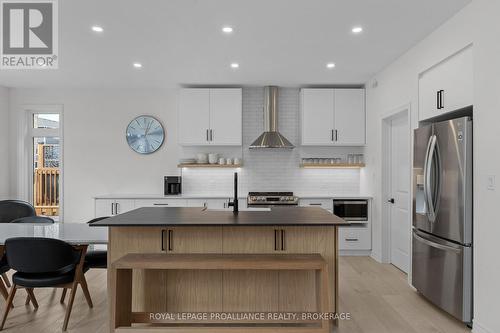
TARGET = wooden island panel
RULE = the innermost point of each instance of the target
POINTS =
(230, 291)
(250, 291)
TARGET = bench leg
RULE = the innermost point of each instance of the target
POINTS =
(323, 296)
(122, 298)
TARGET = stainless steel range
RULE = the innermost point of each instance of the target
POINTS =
(269, 199)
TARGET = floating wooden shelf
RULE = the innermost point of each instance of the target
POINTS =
(332, 166)
(196, 165)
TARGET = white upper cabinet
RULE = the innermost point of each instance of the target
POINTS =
(447, 86)
(194, 117)
(225, 117)
(210, 117)
(317, 116)
(333, 117)
(349, 122)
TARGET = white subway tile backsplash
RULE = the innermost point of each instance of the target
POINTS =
(275, 170)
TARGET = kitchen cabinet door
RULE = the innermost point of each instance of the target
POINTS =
(194, 117)
(104, 207)
(193, 290)
(350, 128)
(250, 291)
(225, 117)
(160, 203)
(447, 86)
(306, 240)
(317, 117)
(458, 83)
(140, 240)
(111, 207)
(123, 206)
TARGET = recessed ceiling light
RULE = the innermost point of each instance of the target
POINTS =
(137, 65)
(330, 65)
(235, 65)
(97, 28)
(227, 29)
(357, 30)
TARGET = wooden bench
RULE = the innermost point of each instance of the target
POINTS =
(121, 290)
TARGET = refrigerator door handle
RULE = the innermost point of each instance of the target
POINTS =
(428, 188)
(433, 244)
(426, 175)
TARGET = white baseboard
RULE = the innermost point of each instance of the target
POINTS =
(478, 328)
(376, 256)
(354, 253)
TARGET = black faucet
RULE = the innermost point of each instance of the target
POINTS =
(234, 204)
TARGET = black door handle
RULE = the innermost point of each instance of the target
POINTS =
(391, 200)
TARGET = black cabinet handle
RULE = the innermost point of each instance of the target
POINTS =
(332, 135)
(351, 239)
(336, 135)
(207, 134)
(437, 99)
(160, 204)
(211, 135)
(163, 240)
(315, 204)
(275, 240)
(283, 240)
(170, 240)
(441, 103)
(112, 209)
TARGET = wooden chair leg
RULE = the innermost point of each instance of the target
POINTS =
(31, 296)
(8, 305)
(63, 295)
(3, 290)
(70, 305)
(86, 292)
(6, 279)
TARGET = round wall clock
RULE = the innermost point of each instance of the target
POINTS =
(145, 135)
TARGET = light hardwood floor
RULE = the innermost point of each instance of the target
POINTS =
(376, 295)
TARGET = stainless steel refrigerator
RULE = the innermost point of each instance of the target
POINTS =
(442, 215)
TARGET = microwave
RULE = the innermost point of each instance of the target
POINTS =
(354, 210)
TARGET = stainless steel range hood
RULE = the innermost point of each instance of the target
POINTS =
(271, 138)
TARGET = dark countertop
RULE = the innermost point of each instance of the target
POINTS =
(195, 216)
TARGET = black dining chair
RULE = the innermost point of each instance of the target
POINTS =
(42, 263)
(14, 209)
(9, 211)
(93, 258)
(33, 219)
(4, 268)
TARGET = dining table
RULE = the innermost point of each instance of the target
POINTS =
(79, 235)
(72, 233)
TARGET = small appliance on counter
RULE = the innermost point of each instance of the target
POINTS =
(172, 185)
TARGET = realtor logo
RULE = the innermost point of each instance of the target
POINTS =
(28, 34)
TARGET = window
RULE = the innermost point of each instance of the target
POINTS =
(46, 162)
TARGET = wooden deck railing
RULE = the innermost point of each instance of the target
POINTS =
(46, 191)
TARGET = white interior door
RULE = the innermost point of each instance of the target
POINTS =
(399, 210)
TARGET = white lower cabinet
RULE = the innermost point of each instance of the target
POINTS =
(160, 203)
(111, 207)
(355, 238)
(323, 203)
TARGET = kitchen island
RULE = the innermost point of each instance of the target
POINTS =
(180, 230)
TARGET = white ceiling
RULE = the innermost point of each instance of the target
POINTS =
(284, 42)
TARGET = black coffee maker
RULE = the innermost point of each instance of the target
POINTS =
(172, 185)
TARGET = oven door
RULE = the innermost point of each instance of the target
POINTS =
(354, 210)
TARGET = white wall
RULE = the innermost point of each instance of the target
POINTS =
(97, 159)
(398, 85)
(4, 143)
(487, 162)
